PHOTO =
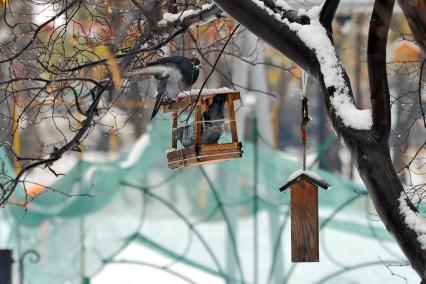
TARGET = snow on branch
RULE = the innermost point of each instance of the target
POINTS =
(301, 36)
(413, 220)
(204, 15)
(314, 35)
(282, 10)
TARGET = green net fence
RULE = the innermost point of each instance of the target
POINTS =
(228, 220)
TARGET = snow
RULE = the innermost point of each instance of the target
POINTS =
(413, 220)
(132, 273)
(315, 37)
(171, 18)
(306, 172)
(174, 17)
(283, 4)
(205, 92)
(334, 244)
(141, 144)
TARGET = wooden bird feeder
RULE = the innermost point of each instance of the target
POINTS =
(304, 216)
(200, 154)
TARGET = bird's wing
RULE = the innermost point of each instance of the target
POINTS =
(161, 94)
(159, 71)
(158, 101)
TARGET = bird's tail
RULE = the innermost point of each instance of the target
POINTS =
(158, 101)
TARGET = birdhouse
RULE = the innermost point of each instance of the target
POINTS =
(201, 140)
(304, 215)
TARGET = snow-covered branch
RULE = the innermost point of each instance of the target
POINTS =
(315, 36)
(188, 18)
(308, 44)
(413, 220)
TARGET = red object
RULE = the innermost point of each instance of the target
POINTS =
(304, 135)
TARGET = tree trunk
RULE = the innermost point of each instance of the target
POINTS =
(369, 148)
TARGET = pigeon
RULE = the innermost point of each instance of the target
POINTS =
(211, 128)
(174, 73)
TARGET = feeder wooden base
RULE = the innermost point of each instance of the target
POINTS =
(206, 154)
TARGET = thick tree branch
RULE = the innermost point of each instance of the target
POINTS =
(371, 156)
(273, 31)
(376, 54)
(327, 13)
(415, 12)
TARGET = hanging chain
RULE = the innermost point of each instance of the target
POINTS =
(303, 131)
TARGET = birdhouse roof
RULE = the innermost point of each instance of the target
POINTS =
(189, 97)
(309, 176)
(205, 92)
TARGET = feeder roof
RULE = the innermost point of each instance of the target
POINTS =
(205, 92)
(309, 176)
(190, 97)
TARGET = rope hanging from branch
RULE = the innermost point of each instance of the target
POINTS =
(303, 131)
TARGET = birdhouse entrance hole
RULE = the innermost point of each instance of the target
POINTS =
(203, 141)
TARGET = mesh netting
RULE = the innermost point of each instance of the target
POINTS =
(201, 216)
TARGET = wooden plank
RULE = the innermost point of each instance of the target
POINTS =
(174, 125)
(184, 102)
(224, 146)
(235, 96)
(173, 164)
(198, 125)
(191, 153)
(231, 115)
(304, 222)
(210, 148)
(188, 156)
(181, 153)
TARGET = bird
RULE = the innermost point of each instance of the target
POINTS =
(174, 74)
(211, 127)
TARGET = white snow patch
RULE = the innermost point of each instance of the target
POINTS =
(171, 18)
(205, 92)
(413, 220)
(133, 273)
(174, 17)
(141, 144)
(306, 172)
(283, 4)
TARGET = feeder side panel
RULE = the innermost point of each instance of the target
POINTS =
(231, 114)
(304, 222)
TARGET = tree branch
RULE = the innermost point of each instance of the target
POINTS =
(415, 12)
(376, 57)
(273, 31)
(370, 155)
(327, 13)
(187, 18)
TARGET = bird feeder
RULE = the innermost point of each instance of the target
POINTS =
(304, 216)
(304, 204)
(200, 154)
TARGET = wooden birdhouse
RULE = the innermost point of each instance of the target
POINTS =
(304, 215)
(199, 153)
